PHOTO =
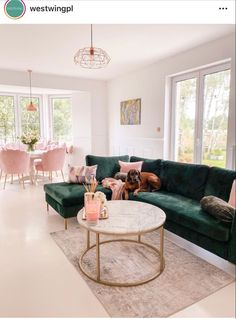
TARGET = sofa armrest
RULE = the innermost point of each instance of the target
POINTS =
(232, 243)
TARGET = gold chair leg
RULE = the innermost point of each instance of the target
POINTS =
(19, 178)
(65, 219)
(98, 256)
(0, 175)
(23, 182)
(47, 207)
(5, 180)
(62, 176)
(11, 178)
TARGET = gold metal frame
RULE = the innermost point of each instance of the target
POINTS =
(98, 279)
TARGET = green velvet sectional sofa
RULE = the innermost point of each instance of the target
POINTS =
(183, 186)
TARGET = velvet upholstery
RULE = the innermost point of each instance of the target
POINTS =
(107, 166)
(183, 187)
(219, 182)
(187, 212)
(149, 165)
(184, 179)
(70, 194)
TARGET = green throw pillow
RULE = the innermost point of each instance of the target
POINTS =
(218, 208)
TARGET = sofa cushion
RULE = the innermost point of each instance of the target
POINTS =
(70, 194)
(219, 182)
(187, 212)
(185, 179)
(149, 165)
(107, 166)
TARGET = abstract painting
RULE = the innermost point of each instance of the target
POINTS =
(130, 112)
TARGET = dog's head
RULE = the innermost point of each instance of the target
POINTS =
(133, 176)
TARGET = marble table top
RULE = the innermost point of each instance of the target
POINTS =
(126, 218)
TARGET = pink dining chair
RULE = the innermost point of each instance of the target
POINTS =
(51, 161)
(15, 162)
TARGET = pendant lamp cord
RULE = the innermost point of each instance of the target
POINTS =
(91, 36)
(30, 85)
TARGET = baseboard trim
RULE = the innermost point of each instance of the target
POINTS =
(202, 253)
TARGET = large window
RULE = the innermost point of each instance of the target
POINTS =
(200, 108)
(30, 121)
(61, 119)
(52, 120)
(7, 119)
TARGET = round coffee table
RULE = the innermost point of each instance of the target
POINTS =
(126, 218)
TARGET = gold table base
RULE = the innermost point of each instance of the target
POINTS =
(122, 284)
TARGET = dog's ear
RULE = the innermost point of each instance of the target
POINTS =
(128, 178)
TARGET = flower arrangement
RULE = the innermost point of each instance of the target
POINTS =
(91, 185)
(29, 139)
(101, 196)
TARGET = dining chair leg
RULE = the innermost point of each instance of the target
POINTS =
(11, 178)
(19, 178)
(62, 176)
(43, 174)
(0, 175)
(47, 207)
(36, 177)
(5, 181)
(23, 183)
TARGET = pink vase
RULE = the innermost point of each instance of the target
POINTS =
(92, 208)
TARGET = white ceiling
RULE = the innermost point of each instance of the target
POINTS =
(50, 48)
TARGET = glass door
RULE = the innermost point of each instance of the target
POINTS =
(215, 119)
(200, 116)
(185, 99)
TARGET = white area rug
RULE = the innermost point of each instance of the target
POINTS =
(186, 278)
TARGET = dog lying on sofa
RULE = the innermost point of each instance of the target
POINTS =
(137, 181)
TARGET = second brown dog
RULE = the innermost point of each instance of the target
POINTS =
(137, 181)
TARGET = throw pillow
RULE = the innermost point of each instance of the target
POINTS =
(218, 208)
(121, 176)
(82, 174)
(126, 167)
(232, 196)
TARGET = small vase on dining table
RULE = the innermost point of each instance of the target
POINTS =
(30, 147)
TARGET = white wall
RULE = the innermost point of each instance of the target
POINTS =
(89, 104)
(149, 84)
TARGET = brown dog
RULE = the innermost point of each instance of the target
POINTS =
(141, 182)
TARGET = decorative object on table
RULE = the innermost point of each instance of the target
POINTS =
(92, 207)
(81, 174)
(95, 206)
(31, 107)
(92, 57)
(130, 112)
(218, 208)
(103, 208)
(29, 139)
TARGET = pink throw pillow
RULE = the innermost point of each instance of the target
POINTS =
(232, 197)
(82, 174)
(126, 167)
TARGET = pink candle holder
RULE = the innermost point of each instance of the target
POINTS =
(92, 207)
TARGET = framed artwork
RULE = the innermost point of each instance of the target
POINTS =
(130, 112)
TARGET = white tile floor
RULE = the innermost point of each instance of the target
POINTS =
(36, 279)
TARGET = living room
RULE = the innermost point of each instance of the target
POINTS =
(174, 85)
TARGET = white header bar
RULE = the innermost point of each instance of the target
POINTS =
(115, 12)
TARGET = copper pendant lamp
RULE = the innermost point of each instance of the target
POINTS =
(92, 57)
(31, 107)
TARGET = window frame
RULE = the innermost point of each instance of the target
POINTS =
(51, 97)
(199, 109)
